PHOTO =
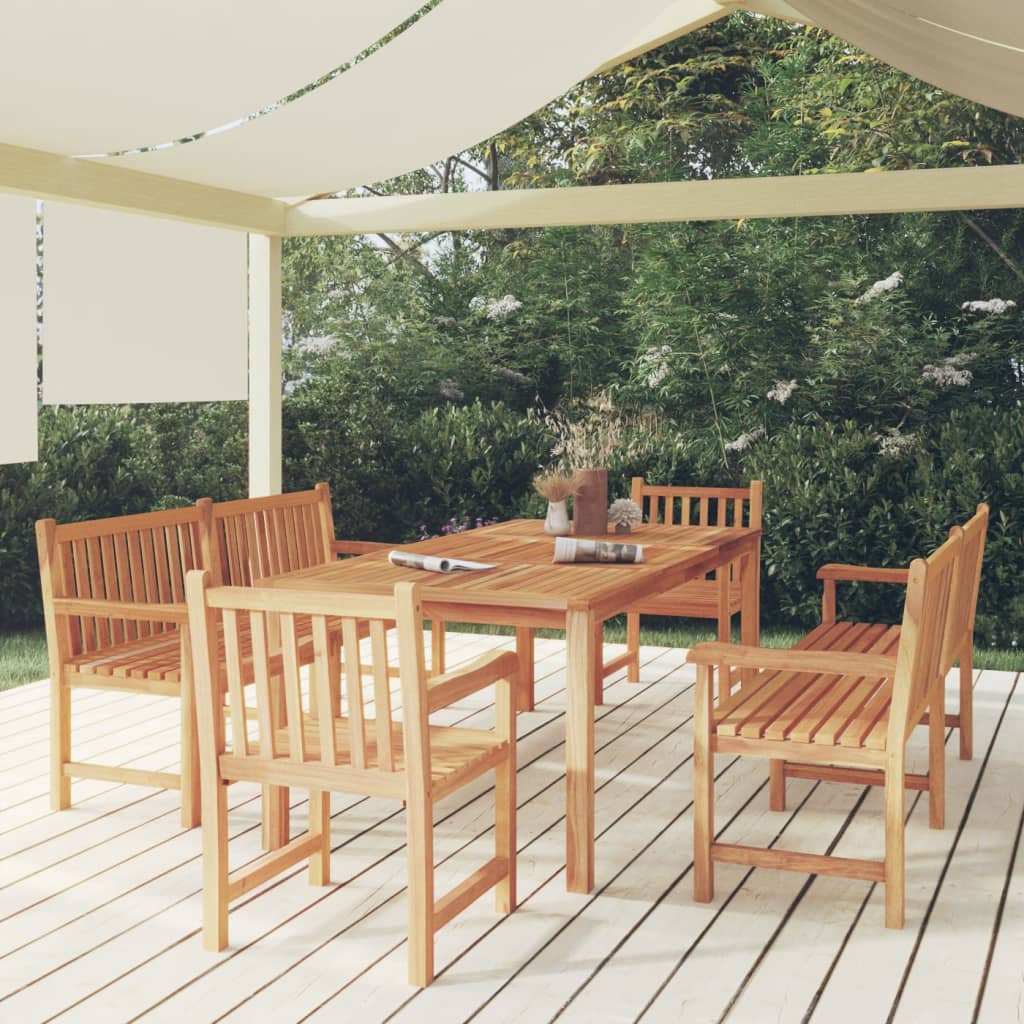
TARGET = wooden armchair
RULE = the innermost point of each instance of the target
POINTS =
(717, 597)
(848, 715)
(958, 647)
(114, 605)
(314, 747)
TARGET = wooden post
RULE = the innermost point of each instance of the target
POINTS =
(264, 365)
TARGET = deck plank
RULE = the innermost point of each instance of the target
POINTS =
(99, 905)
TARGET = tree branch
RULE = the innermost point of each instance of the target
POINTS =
(399, 253)
(993, 245)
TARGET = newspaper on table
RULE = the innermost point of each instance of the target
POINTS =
(568, 549)
(433, 563)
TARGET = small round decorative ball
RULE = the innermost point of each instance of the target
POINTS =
(623, 512)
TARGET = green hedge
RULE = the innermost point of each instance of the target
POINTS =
(829, 493)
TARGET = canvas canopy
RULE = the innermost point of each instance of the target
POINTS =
(107, 77)
(206, 112)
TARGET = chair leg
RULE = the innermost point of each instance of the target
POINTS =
(505, 832)
(703, 790)
(894, 842)
(60, 744)
(967, 703)
(215, 863)
(525, 695)
(777, 784)
(436, 647)
(190, 794)
(937, 756)
(320, 824)
(420, 850)
(633, 647)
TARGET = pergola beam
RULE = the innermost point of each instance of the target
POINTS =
(810, 195)
(32, 172)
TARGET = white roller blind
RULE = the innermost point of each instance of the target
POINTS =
(18, 373)
(141, 310)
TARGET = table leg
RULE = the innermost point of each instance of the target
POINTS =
(750, 612)
(276, 802)
(750, 625)
(524, 651)
(581, 667)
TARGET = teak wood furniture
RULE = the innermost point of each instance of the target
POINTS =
(690, 509)
(313, 746)
(845, 716)
(114, 607)
(527, 591)
(718, 596)
(957, 649)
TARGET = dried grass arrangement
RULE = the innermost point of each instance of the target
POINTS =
(556, 486)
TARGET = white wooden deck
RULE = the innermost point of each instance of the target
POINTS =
(100, 904)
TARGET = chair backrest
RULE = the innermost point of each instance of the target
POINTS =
(926, 617)
(249, 614)
(254, 538)
(960, 628)
(140, 559)
(699, 506)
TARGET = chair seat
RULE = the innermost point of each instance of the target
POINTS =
(831, 710)
(453, 751)
(158, 657)
(696, 599)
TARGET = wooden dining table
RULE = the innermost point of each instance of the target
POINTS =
(526, 590)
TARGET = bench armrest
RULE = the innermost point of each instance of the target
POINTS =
(833, 663)
(862, 573)
(134, 611)
(484, 671)
(357, 547)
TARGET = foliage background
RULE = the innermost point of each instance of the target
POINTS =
(416, 366)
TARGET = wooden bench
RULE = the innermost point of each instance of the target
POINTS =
(114, 608)
(841, 712)
(958, 648)
(113, 601)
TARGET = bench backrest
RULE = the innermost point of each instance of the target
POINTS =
(369, 744)
(960, 628)
(254, 538)
(699, 506)
(926, 618)
(141, 559)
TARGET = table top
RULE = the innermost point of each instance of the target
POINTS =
(518, 549)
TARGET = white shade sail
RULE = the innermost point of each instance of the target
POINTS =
(18, 350)
(464, 72)
(100, 76)
(141, 310)
(975, 50)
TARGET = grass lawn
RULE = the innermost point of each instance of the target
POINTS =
(23, 655)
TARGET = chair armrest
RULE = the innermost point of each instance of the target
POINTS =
(833, 663)
(134, 611)
(862, 573)
(357, 547)
(446, 689)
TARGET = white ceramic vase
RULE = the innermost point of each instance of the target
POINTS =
(556, 522)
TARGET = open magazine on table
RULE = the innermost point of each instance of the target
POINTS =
(434, 563)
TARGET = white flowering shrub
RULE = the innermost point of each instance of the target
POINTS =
(990, 306)
(887, 284)
(782, 391)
